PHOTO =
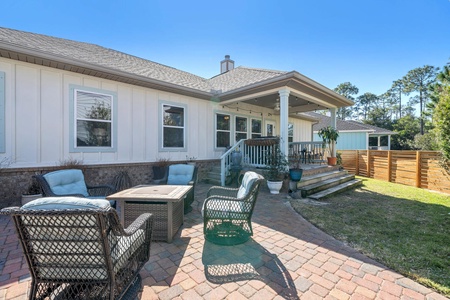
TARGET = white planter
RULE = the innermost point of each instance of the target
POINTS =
(274, 186)
(28, 198)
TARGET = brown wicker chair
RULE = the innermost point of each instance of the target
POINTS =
(227, 212)
(77, 249)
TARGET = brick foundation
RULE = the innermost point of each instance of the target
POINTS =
(15, 181)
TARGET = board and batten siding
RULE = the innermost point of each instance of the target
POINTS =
(37, 121)
(349, 140)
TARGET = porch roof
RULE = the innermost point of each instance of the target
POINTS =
(242, 83)
(348, 125)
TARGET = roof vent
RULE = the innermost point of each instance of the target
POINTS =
(226, 65)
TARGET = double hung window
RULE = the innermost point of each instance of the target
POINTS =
(93, 114)
(256, 128)
(173, 126)
(241, 128)
(223, 130)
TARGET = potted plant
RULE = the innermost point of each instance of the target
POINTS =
(160, 167)
(329, 136)
(295, 170)
(33, 192)
(236, 158)
(276, 169)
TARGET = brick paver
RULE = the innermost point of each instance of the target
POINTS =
(287, 258)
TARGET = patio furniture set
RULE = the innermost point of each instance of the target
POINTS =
(78, 246)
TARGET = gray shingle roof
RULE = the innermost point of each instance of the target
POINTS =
(242, 76)
(97, 55)
(347, 125)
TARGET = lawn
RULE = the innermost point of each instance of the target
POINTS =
(404, 228)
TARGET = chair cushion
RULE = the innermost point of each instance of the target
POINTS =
(180, 174)
(54, 203)
(246, 185)
(65, 182)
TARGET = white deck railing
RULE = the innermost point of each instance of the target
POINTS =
(255, 156)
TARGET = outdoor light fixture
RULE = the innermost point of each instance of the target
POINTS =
(277, 107)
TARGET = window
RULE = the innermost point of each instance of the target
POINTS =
(223, 132)
(256, 128)
(173, 126)
(92, 119)
(2, 112)
(290, 132)
(241, 128)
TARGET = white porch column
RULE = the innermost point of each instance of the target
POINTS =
(379, 142)
(333, 124)
(284, 116)
(389, 142)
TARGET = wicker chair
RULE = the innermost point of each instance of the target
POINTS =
(227, 212)
(181, 174)
(77, 249)
(71, 183)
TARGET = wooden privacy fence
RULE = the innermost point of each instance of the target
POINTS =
(415, 168)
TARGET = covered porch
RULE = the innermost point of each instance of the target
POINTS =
(282, 99)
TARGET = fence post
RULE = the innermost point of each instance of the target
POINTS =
(357, 162)
(418, 168)
(368, 163)
(389, 166)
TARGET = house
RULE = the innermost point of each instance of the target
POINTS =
(61, 98)
(354, 135)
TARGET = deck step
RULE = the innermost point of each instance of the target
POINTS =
(336, 189)
(325, 184)
(311, 179)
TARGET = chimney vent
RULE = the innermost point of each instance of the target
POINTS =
(226, 65)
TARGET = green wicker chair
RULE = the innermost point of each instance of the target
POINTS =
(227, 212)
(77, 249)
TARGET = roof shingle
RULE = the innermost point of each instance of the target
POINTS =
(97, 55)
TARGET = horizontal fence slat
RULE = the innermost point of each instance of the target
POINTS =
(403, 167)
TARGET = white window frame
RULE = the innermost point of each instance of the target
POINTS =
(162, 147)
(216, 131)
(251, 128)
(73, 147)
(236, 129)
(2, 113)
(290, 132)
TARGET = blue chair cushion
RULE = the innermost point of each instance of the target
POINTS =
(246, 185)
(55, 203)
(180, 174)
(66, 182)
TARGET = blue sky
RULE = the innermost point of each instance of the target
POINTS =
(367, 42)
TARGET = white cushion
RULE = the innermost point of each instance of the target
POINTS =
(51, 203)
(247, 182)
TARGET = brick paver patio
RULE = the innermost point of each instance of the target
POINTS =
(287, 258)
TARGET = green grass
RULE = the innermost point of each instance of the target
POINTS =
(405, 228)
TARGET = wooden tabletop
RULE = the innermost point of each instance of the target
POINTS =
(152, 192)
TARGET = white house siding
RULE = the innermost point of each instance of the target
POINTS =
(37, 119)
(349, 140)
(302, 130)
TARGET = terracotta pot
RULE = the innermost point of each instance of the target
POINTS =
(332, 161)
